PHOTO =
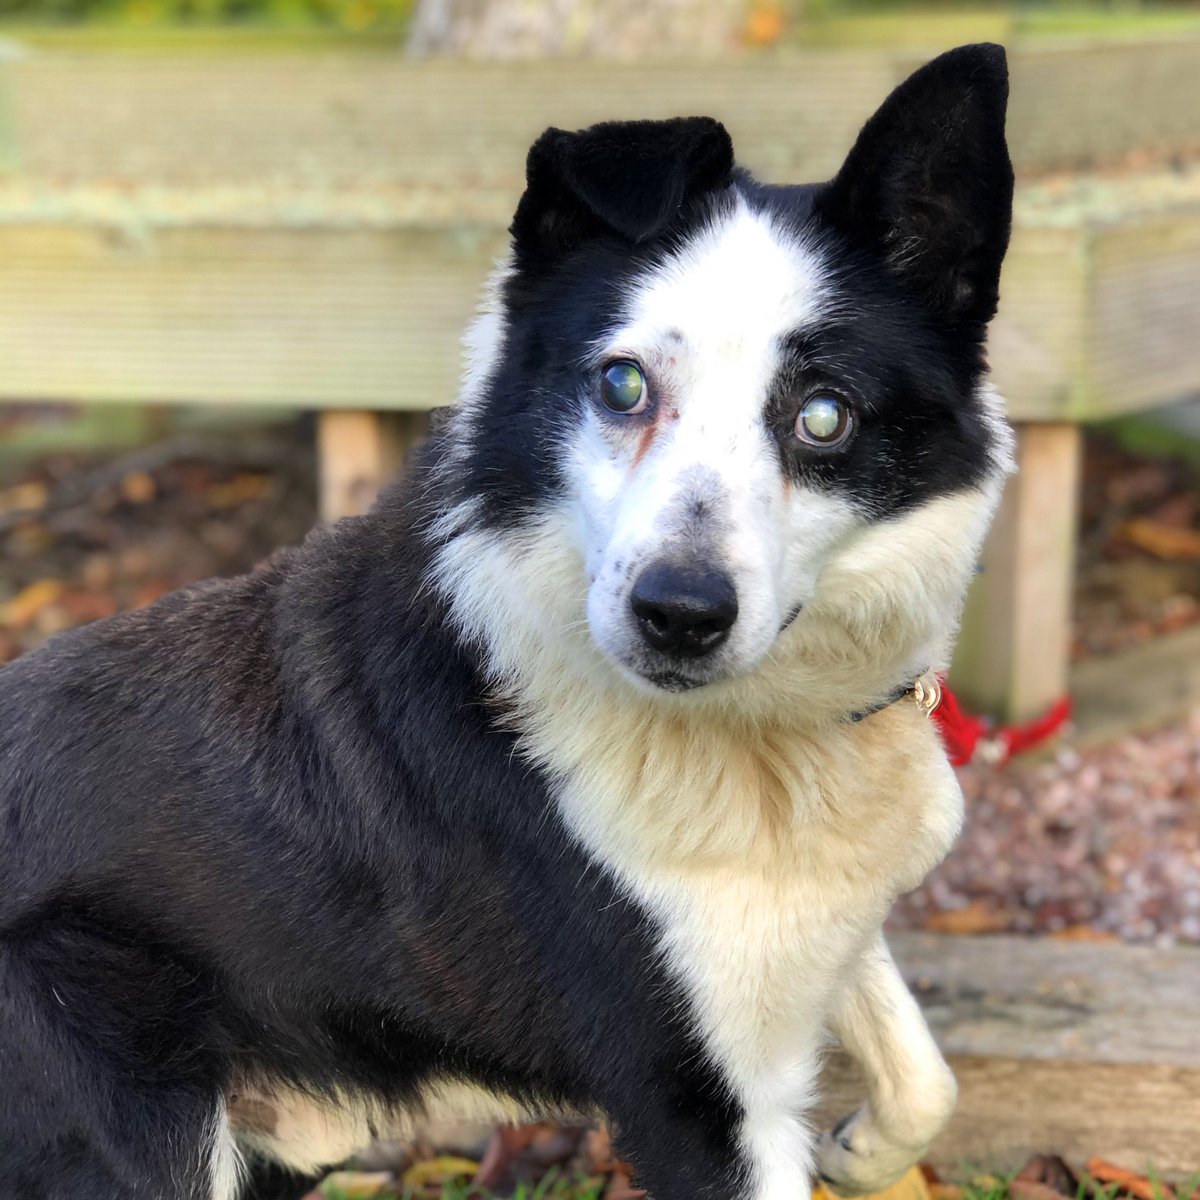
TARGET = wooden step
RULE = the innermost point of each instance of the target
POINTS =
(1073, 1048)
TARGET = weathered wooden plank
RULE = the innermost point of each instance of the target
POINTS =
(1138, 689)
(1042, 998)
(184, 180)
(345, 119)
(1145, 1116)
(1066, 1047)
(1012, 658)
(357, 319)
(1143, 313)
(352, 308)
(341, 116)
(1036, 342)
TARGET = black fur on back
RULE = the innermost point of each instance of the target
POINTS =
(269, 826)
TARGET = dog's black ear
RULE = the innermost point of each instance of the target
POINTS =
(628, 177)
(929, 182)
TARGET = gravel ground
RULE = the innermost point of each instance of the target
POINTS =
(1094, 842)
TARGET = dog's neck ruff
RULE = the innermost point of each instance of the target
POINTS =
(925, 690)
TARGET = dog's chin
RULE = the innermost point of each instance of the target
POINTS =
(667, 678)
(674, 682)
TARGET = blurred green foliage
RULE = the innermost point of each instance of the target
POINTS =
(351, 15)
(811, 21)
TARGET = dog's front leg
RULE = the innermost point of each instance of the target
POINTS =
(911, 1091)
(703, 1144)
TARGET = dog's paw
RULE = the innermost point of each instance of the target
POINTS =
(854, 1159)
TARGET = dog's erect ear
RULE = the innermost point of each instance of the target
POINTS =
(929, 182)
(628, 177)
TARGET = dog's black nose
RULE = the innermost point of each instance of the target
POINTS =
(686, 611)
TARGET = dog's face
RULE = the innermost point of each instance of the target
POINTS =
(720, 387)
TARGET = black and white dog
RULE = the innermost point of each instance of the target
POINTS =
(566, 779)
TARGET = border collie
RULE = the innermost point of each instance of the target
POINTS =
(578, 775)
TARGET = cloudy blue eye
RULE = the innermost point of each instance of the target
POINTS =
(623, 387)
(824, 420)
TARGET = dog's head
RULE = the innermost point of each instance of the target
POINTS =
(713, 427)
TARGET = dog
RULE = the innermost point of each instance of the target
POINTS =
(578, 775)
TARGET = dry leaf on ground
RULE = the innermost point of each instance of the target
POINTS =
(1129, 1181)
(977, 917)
(1160, 539)
(439, 1170)
(23, 609)
(911, 1187)
(358, 1185)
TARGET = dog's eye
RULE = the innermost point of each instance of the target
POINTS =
(824, 420)
(623, 387)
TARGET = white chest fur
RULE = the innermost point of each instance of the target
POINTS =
(768, 858)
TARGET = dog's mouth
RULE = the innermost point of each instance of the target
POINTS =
(672, 681)
(673, 677)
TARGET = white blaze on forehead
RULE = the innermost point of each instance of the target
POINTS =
(705, 478)
(732, 290)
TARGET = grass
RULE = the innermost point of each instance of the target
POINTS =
(984, 1186)
(553, 1186)
(981, 1186)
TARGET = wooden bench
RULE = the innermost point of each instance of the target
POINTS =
(310, 228)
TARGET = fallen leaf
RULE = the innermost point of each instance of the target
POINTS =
(439, 1170)
(1160, 539)
(946, 1191)
(356, 1185)
(23, 609)
(138, 487)
(24, 497)
(978, 917)
(911, 1186)
(242, 487)
(1082, 933)
(1130, 1181)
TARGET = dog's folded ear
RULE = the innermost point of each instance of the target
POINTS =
(929, 183)
(625, 177)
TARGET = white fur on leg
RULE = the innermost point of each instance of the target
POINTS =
(911, 1089)
(226, 1166)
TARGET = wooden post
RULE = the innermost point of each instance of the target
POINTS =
(358, 452)
(1014, 652)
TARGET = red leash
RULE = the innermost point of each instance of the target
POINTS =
(967, 738)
